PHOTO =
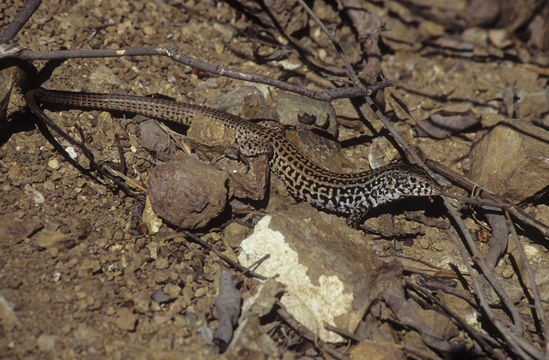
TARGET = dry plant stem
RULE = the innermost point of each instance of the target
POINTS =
(421, 353)
(256, 264)
(326, 95)
(408, 317)
(348, 68)
(490, 198)
(465, 232)
(466, 296)
(196, 239)
(306, 333)
(19, 20)
(518, 345)
(476, 335)
(204, 244)
(341, 332)
(533, 285)
(487, 272)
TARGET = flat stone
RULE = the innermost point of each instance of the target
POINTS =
(510, 163)
(161, 297)
(172, 290)
(13, 231)
(245, 101)
(90, 264)
(8, 318)
(321, 150)
(126, 320)
(104, 75)
(375, 350)
(210, 132)
(324, 264)
(290, 107)
(153, 138)
(48, 238)
(161, 263)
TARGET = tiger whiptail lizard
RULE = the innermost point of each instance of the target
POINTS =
(349, 194)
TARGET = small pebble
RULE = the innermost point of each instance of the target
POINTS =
(508, 272)
(47, 238)
(46, 343)
(201, 292)
(72, 153)
(424, 243)
(53, 164)
(161, 297)
(37, 196)
(126, 320)
(172, 290)
(161, 264)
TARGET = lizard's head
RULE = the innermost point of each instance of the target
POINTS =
(411, 180)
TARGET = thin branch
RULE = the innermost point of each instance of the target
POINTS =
(242, 269)
(356, 81)
(485, 269)
(306, 333)
(532, 279)
(489, 198)
(476, 335)
(517, 344)
(19, 20)
(348, 68)
(327, 95)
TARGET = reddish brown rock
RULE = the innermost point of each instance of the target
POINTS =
(187, 193)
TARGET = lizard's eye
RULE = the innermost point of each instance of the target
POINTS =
(413, 180)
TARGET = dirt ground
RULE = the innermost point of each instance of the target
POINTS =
(76, 265)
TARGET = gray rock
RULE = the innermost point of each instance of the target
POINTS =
(104, 75)
(511, 163)
(245, 101)
(154, 138)
(210, 83)
(161, 297)
(289, 108)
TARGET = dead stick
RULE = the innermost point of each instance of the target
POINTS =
(532, 279)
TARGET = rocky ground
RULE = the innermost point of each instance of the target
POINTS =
(84, 274)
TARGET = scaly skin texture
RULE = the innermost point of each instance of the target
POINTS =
(349, 194)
